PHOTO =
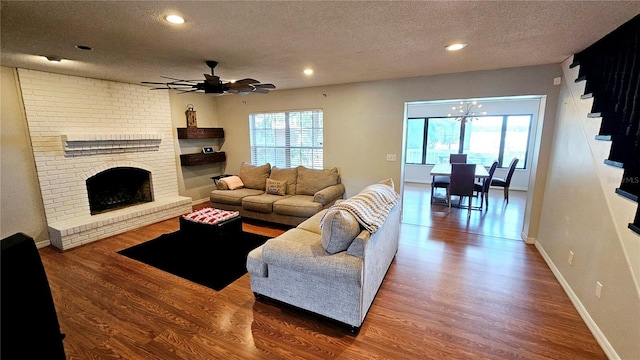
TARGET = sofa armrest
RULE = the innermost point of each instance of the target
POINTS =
(329, 194)
(357, 245)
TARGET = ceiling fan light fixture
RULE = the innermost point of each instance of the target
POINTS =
(308, 71)
(455, 47)
(174, 19)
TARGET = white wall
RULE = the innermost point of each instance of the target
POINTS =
(21, 207)
(582, 213)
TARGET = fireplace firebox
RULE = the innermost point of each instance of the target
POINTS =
(117, 188)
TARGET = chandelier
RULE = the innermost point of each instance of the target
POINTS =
(467, 110)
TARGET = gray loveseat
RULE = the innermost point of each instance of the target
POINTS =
(331, 264)
(280, 195)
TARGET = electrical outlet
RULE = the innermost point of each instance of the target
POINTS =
(391, 157)
(570, 259)
(598, 289)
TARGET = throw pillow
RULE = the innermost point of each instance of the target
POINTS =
(339, 228)
(232, 182)
(310, 181)
(254, 176)
(275, 187)
(290, 175)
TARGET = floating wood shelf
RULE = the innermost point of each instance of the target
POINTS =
(202, 159)
(200, 133)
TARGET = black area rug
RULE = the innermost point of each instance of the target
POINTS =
(214, 263)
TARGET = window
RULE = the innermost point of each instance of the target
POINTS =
(488, 138)
(287, 139)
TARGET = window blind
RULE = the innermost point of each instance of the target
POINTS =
(287, 139)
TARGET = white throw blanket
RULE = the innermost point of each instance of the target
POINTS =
(370, 207)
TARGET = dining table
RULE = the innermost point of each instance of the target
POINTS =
(444, 169)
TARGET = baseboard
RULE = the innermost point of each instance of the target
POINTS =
(200, 201)
(584, 314)
(43, 243)
(527, 240)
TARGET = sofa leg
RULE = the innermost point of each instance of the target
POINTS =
(258, 296)
(355, 330)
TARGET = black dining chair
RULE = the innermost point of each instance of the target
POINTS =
(506, 182)
(457, 158)
(462, 183)
(442, 182)
(482, 187)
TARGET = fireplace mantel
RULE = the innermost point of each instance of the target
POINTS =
(94, 144)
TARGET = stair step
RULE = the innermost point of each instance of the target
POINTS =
(581, 78)
(586, 96)
(614, 163)
(635, 228)
(627, 195)
(603, 137)
(594, 115)
(574, 64)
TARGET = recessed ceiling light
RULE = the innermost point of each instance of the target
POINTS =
(84, 47)
(175, 19)
(308, 71)
(455, 47)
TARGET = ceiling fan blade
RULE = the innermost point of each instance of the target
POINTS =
(170, 78)
(187, 91)
(265, 86)
(261, 90)
(181, 84)
(154, 83)
(241, 88)
(246, 81)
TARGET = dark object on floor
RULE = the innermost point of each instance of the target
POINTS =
(214, 262)
(30, 327)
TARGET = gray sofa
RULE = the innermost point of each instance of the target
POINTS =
(281, 195)
(331, 264)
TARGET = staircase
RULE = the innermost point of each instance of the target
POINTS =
(611, 69)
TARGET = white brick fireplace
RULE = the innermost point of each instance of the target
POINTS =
(80, 127)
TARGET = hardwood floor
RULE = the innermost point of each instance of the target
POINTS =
(499, 219)
(453, 292)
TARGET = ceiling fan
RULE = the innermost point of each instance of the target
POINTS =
(213, 85)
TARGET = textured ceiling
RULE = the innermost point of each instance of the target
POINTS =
(273, 41)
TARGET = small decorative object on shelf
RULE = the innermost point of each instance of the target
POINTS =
(191, 116)
(207, 150)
